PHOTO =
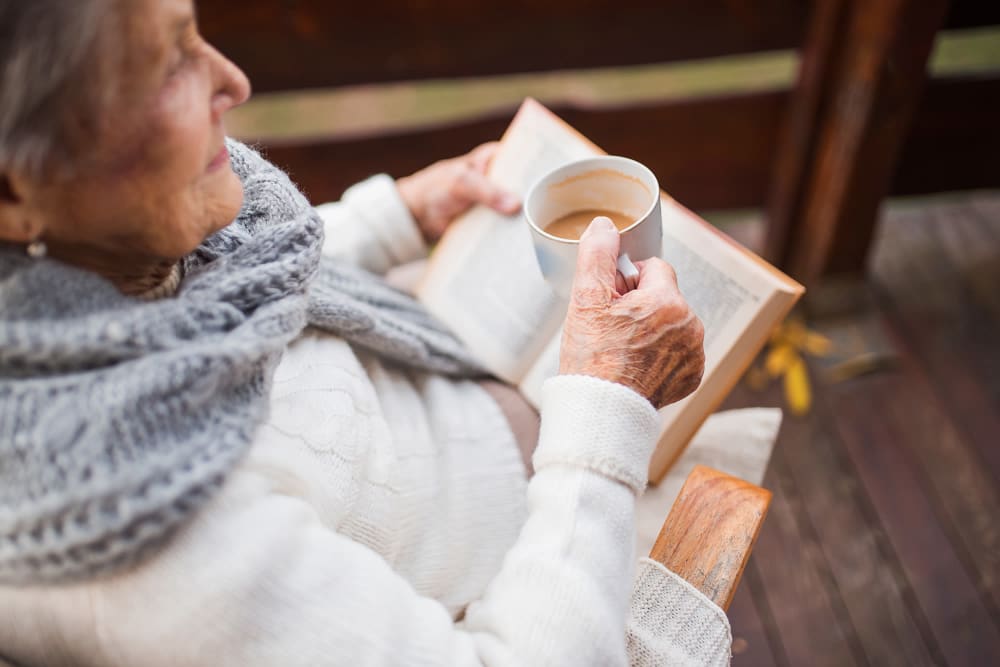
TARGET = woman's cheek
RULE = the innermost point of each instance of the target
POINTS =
(184, 129)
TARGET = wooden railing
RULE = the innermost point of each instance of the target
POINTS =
(860, 90)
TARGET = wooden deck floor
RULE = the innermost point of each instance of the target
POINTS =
(882, 546)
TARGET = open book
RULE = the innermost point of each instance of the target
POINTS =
(484, 283)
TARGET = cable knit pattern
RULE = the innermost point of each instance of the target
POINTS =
(119, 417)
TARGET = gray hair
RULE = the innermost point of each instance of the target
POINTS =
(48, 94)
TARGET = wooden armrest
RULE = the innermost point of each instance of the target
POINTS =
(710, 531)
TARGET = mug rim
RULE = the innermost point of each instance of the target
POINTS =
(576, 163)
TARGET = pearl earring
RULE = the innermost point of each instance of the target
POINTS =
(37, 250)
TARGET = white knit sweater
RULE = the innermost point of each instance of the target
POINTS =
(383, 517)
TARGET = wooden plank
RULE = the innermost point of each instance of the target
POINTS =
(311, 43)
(872, 91)
(792, 575)
(871, 584)
(935, 273)
(869, 581)
(950, 370)
(972, 250)
(317, 43)
(706, 153)
(974, 254)
(985, 207)
(751, 646)
(964, 491)
(709, 153)
(324, 170)
(710, 531)
(875, 421)
(802, 120)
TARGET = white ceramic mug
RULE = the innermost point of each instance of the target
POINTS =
(610, 183)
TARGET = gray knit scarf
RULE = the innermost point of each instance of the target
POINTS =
(120, 418)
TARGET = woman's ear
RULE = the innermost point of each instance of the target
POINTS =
(17, 224)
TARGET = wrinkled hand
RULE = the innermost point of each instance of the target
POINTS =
(648, 339)
(439, 193)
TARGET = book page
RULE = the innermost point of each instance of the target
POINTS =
(492, 294)
(483, 280)
(724, 292)
(738, 298)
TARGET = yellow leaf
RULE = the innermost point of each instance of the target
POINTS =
(778, 359)
(816, 344)
(797, 390)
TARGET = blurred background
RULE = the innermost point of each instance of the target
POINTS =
(853, 143)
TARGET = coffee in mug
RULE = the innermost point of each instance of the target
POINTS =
(562, 203)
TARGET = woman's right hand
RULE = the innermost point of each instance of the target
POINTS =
(647, 339)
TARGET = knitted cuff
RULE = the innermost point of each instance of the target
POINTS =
(386, 215)
(671, 623)
(599, 425)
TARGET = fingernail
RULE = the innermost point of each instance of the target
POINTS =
(599, 224)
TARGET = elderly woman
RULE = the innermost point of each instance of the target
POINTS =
(221, 444)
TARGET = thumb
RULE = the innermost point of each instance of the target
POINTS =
(597, 260)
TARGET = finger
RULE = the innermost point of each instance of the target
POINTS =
(597, 259)
(475, 187)
(620, 283)
(655, 274)
(479, 158)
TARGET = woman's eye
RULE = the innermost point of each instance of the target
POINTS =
(187, 50)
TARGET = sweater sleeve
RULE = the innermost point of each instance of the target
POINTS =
(258, 578)
(372, 227)
(670, 622)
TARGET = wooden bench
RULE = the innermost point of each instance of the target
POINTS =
(710, 532)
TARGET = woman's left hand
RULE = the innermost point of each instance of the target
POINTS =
(438, 194)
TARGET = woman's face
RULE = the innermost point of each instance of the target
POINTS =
(159, 181)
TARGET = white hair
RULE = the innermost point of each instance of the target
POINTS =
(49, 97)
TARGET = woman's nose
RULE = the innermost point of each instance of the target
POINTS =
(232, 87)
